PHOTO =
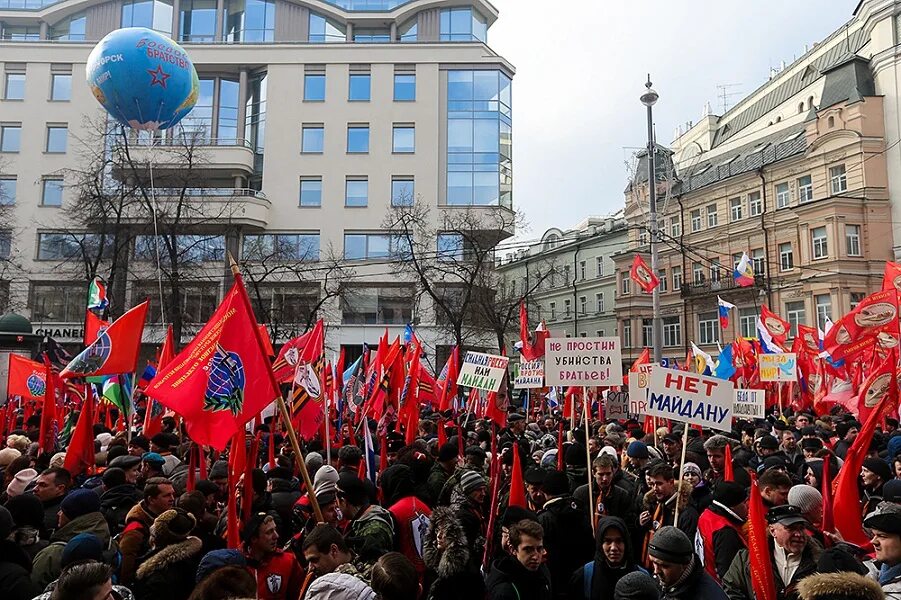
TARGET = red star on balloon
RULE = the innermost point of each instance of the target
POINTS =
(159, 76)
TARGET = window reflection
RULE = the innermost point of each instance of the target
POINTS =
(324, 30)
(197, 20)
(463, 25)
(70, 30)
(249, 21)
(153, 14)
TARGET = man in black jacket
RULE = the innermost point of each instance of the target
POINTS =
(678, 569)
(51, 487)
(522, 576)
(567, 532)
(609, 499)
(612, 560)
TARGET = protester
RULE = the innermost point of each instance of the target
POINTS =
(613, 560)
(679, 569)
(522, 576)
(51, 487)
(448, 554)
(159, 496)
(885, 523)
(277, 573)
(720, 528)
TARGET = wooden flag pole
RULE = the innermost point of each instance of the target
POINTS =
(679, 474)
(317, 511)
(588, 457)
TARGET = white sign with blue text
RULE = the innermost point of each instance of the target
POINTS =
(692, 398)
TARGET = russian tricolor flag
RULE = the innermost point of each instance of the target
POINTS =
(724, 308)
(744, 271)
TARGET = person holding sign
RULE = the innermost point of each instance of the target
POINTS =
(659, 505)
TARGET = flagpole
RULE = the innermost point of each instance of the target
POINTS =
(679, 474)
(292, 435)
(588, 458)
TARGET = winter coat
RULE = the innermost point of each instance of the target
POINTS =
(278, 576)
(435, 483)
(509, 580)
(840, 586)
(695, 585)
(455, 574)
(120, 592)
(285, 494)
(15, 569)
(737, 580)
(475, 527)
(339, 586)
(567, 538)
(47, 565)
(371, 533)
(688, 514)
(616, 503)
(720, 534)
(168, 573)
(891, 586)
(134, 541)
(117, 502)
(603, 576)
(51, 515)
(29, 540)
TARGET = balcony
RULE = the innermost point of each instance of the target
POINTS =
(726, 285)
(212, 206)
(204, 157)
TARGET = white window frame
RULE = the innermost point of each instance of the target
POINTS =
(708, 328)
(672, 332)
(696, 220)
(786, 257)
(783, 195)
(805, 189)
(755, 204)
(677, 278)
(852, 240)
(712, 216)
(735, 209)
(599, 300)
(838, 179)
(819, 245)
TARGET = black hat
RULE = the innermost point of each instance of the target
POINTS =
(785, 514)
(113, 476)
(886, 517)
(671, 545)
(574, 455)
(637, 585)
(515, 514)
(729, 493)
(768, 442)
(164, 440)
(879, 467)
(638, 450)
(536, 476)
(671, 437)
(476, 452)
(125, 462)
(206, 487)
(780, 426)
(813, 444)
(556, 483)
(351, 487)
(514, 417)
(448, 451)
(891, 491)
(809, 430)
(773, 462)
(139, 441)
(838, 560)
(280, 473)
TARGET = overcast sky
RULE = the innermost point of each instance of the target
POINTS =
(581, 66)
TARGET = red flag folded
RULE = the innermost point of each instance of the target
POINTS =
(283, 367)
(531, 349)
(222, 379)
(447, 381)
(307, 407)
(517, 488)
(115, 350)
(728, 474)
(892, 277)
(642, 275)
(762, 578)
(267, 343)
(27, 378)
(827, 524)
(875, 317)
(80, 453)
(47, 437)
(236, 465)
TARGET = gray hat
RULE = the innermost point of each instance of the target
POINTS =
(886, 517)
(636, 585)
(671, 545)
(125, 462)
(314, 462)
(471, 481)
(514, 417)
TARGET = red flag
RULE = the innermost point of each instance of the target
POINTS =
(876, 316)
(876, 387)
(80, 453)
(92, 326)
(236, 464)
(447, 381)
(267, 343)
(776, 326)
(762, 578)
(192, 467)
(307, 407)
(531, 349)
(517, 488)
(807, 340)
(827, 524)
(47, 436)
(642, 276)
(115, 350)
(442, 433)
(892, 277)
(222, 379)
(27, 378)
(728, 474)
(408, 414)
(283, 367)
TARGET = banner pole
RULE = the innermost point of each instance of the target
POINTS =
(679, 474)
(588, 457)
(779, 399)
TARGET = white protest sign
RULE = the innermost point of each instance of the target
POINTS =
(530, 376)
(638, 390)
(482, 371)
(748, 404)
(778, 367)
(617, 404)
(583, 362)
(694, 399)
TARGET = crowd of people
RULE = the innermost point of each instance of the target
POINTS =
(615, 512)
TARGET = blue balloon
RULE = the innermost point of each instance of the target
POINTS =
(142, 78)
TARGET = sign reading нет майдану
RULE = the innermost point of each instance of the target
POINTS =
(694, 399)
(482, 371)
(588, 362)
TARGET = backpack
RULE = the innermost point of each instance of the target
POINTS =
(588, 574)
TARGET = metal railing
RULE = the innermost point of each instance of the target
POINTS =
(212, 192)
(181, 140)
(726, 283)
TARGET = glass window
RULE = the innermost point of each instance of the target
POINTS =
(677, 278)
(627, 334)
(255, 120)
(758, 261)
(462, 25)
(61, 86)
(852, 240)
(6, 246)
(783, 195)
(582, 270)
(567, 307)
(228, 111)
(365, 246)
(402, 191)
(451, 248)
(21, 33)
(805, 189)
(356, 192)
(197, 20)
(786, 257)
(372, 36)
(625, 283)
(58, 246)
(52, 193)
(10, 138)
(7, 191)
(302, 247)
(63, 303)
(675, 226)
(755, 205)
(647, 332)
(324, 30)
(599, 301)
(57, 136)
(672, 332)
(796, 315)
(409, 30)
(715, 272)
(404, 87)
(70, 30)
(856, 298)
(708, 328)
(249, 21)
(697, 273)
(819, 242)
(712, 219)
(823, 304)
(377, 306)
(404, 139)
(189, 248)
(313, 139)
(15, 86)
(735, 209)
(284, 304)
(599, 266)
(197, 126)
(314, 87)
(152, 14)
(359, 87)
(553, 310)
(696, 220)
(661, 276)
(838, 179)
(311, 191)
(358, 139)
(747, 322)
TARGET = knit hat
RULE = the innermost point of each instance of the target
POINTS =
(636, 585)
(807, 498)
(729, 493)
(153, 458)
(58, 460)
(7, 455)
(314, 462)
(20, 482)
(27, 511)
(6, 523)
(671, 545)
(325, 484)
(574, 456)
(692, 468)
(252, 528)
(879, 467)
(891, 491)
(104, 439)
(219, 470)
(84, 546)
(217, 559)
(351, 487)
(78, 503)
(768, 442)
(206, 487)
(173, 526)
(470, 481)
(112, 477)
(19, 442)
(637, 450)
(839, 586)
(556, 483)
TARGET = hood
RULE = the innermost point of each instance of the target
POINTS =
(839, 586)
(121, 494)
(89, 523)
(615, 522)
(340, 586)
(396, 483)
(376, 513)
(169, 555)
(454, 558)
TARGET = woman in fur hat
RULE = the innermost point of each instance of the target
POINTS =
(447, 555)
(839, 586)
(167, 572)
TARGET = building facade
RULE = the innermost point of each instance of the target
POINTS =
(568, 278)
(315, 119)
(798, 175)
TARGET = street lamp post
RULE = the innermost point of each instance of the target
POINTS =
(649, 98)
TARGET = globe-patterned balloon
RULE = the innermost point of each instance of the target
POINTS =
(93, 357)
(142, 78)
(36, 384)
(225, 383)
